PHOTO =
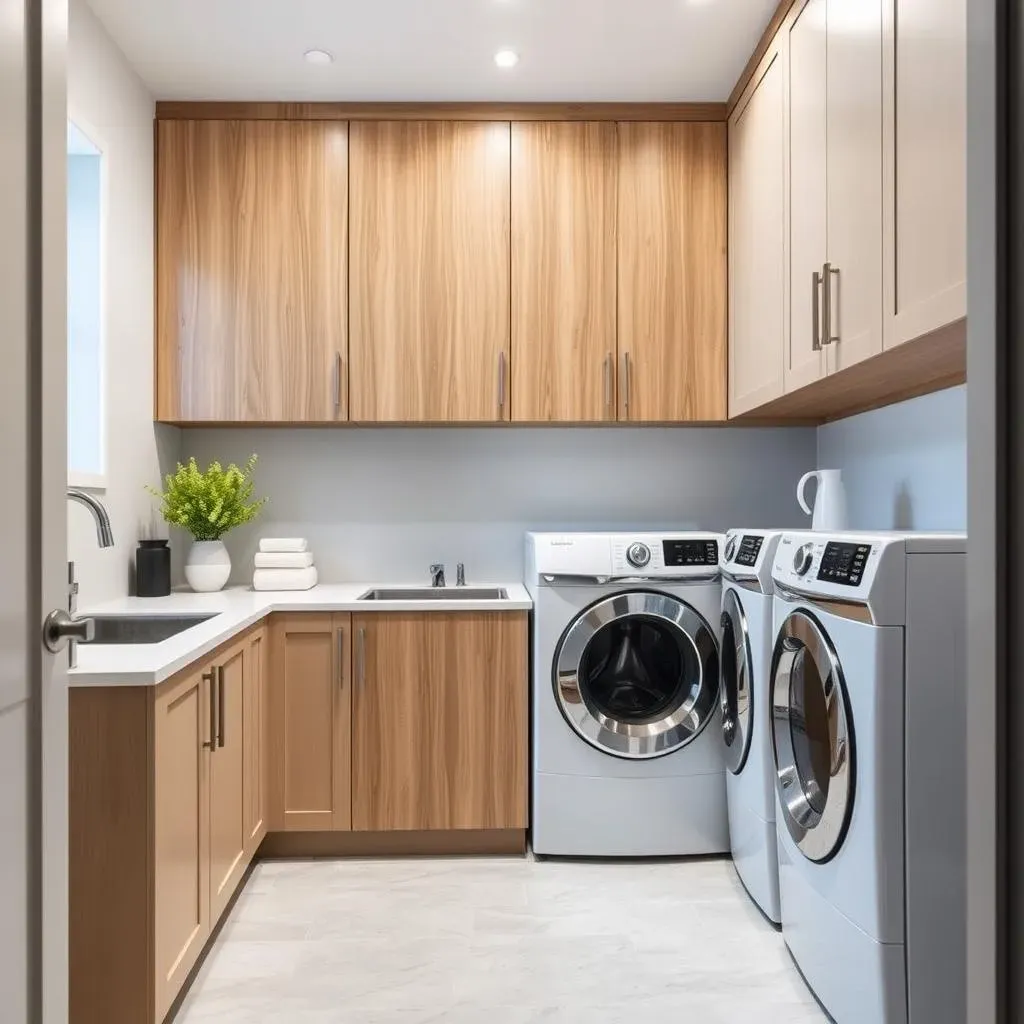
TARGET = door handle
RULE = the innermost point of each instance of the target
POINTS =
(220, 706)
(361, 657)
(502, 374)
(626, 382)
(608, 366)
(827, 272)
(210, 678)
(341, 657)
(336, 381)
(61, 629)
(816, 310)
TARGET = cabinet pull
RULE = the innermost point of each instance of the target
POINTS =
(341, 658)
(502, 373)
(210, 677)
(608, 381)
(220, 706)
(625, 382)
(361, 657)
(828, 338)
(816, 310)
(336, 381)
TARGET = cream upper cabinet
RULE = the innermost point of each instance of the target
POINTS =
(925, 140)
(808, 201)
(757, 238)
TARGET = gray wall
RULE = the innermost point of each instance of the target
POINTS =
(904, 466)
(386, 503)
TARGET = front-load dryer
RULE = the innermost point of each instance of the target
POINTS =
(868, 699)
(745, 696)
(627, 753)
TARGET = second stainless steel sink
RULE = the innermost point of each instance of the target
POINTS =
(141, 629)
(436, 594)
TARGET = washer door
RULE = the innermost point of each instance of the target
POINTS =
(812, 736)
(736, 693)
(636, 675)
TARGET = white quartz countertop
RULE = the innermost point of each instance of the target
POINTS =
(234, 610)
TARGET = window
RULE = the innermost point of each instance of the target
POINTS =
(86, 429)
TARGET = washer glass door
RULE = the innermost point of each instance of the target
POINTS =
(736, 694)
(812, 737)
(636, 674)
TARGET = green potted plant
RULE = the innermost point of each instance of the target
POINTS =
(208, 504)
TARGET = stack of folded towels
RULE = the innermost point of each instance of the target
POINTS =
(284, 563)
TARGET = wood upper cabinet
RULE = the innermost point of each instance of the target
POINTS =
(182, 732)
(429, 271)
(925, 146)
(440, 721)
(310, 723)
(672, 271)
(564, 343)
(251, 271)
(758, 242)
(227, 778)
(254, 740)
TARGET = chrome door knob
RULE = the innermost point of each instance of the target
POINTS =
(60, 629)
(802, 559)
(638, 555)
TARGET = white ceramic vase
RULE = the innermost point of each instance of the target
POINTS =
(208, 566)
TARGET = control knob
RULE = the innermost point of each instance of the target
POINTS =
(730, 548)
(638, 555)
(802, 559)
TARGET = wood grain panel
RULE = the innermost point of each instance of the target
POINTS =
(275, 111)
(181, 842)
(429, 270)
(672, 272)
(251, 271)
(310, 722)
(498, 841)
(254, 740)
(563, 271)
(227, 773)
(110, 881)
(440, 721)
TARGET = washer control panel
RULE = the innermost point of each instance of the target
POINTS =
(688, 553)
(748, 551)
(842, 566)
(844, 563)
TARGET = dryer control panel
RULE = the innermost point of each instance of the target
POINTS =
(844, 563)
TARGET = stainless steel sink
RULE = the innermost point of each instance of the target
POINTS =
(141, 629)
(437, 594)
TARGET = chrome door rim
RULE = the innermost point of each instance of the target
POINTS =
(737, 733)
(631, 740)
(818, 836)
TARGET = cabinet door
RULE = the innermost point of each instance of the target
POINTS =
(440, 721)
(254, 741)
(310, 723)
(808, 203)
(925, 142)
(757, 239)
(182, 727)
(251, 271)
(429, 266)
(227, 771)
(563, 271)
(854, 181)
(672, 271)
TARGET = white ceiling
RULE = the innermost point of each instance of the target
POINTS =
(432, 50)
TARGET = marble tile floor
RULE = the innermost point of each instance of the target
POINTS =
(497, 941)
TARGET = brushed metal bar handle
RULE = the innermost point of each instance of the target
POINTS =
(608, 365)
(341, 657)
(502, 374)
(827, 274)
(626, 382)
(336, 381)
(816, 310)
(210, 677)
(220, 706)
(361, 657)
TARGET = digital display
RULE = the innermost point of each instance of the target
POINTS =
(844, 563)
(690, 552)
(750, 548)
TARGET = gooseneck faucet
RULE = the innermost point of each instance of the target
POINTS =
(71, 628)
(104, 534)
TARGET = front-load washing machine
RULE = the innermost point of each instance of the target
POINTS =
(627, 753)
(747, 641)
(868, 699)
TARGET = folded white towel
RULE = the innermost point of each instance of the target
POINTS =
(285, 579)
(284, 544)
(284, 559)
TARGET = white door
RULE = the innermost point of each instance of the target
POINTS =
(33, 684)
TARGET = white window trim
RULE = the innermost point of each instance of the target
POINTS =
(98, 481)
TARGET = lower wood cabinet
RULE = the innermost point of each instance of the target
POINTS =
(440, 719)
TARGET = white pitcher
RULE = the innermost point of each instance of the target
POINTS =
(829, 512)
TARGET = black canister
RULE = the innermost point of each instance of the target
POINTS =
(153, 569)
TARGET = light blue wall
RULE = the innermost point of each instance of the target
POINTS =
(904, 466)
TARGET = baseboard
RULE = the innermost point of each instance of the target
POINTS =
(393, 844)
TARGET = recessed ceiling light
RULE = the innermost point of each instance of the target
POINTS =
(506, 58)
(318, 57)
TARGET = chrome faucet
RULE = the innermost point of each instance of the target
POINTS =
(104, 534)
(437, 575)
(82, 630)
(460, 575)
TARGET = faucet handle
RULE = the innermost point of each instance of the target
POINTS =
(437, 574)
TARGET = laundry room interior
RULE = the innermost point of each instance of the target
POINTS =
(516, 511)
